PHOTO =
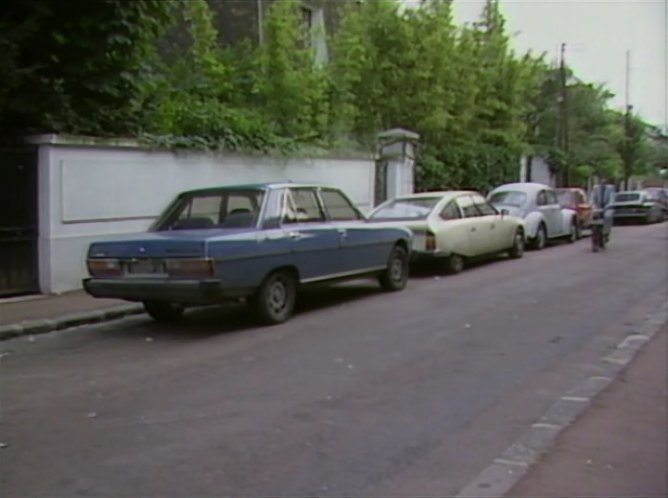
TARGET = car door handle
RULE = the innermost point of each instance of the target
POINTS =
(342, 232)
(492, 227)
(473, 229)
(296, 235)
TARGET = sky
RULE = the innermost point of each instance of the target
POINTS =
(597, 34)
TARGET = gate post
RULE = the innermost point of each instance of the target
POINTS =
(395, 164)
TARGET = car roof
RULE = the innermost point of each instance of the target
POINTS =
(450, 194)
(522, 187)
(257, 186)
(569, 189)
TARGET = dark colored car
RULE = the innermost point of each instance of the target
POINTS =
(660, 195)
(258, 242)
(637, 205)
(576, 199)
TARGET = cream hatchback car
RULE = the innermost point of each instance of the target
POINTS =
(453, 226)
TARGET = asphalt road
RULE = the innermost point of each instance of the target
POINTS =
(361, 394)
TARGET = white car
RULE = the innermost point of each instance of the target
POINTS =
(539, 206)
(453, 226)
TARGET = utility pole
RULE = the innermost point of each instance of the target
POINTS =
(563, 118)
(627, 159)
(260, 22)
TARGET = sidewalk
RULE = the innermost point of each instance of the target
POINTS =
(619, 445)
(47, 313)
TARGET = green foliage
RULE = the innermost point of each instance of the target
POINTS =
(76, 66)
(105, 68)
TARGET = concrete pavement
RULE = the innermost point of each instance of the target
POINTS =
(41, 314)
(361, 394)
(619, 446)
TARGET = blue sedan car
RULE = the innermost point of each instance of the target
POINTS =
(258, 242)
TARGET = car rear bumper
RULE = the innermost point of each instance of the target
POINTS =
(176, 291)
(426, 255)
(631, 215)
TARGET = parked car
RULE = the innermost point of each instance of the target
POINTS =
(453, 226)
(637, 205)
(576, 199)
(659, 195)
(259, 242)
(539, 206)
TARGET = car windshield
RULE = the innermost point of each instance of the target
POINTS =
(627, 197)
(655, 194)
(509, 198)
(565, 197)
(213, 210)
(416, 208)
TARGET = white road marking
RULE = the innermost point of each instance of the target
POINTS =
(544, 425)
(575, 398)
(503, 461)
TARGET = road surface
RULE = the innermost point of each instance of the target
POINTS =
(361, 394)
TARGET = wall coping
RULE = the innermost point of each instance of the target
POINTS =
(85, 141)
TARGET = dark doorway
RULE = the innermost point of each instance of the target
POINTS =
(380, 190)
(18, 221)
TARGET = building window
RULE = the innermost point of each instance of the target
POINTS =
(307, 25)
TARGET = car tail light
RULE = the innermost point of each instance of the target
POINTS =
(104, 267)
(430, 242)
(190, 267)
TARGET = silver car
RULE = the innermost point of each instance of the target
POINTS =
(539, 206)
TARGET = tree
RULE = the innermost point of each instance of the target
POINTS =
(76, 66)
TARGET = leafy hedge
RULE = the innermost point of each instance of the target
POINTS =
(111, 68)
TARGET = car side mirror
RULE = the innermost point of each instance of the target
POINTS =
(505, 212)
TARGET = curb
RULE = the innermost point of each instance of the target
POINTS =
(496, 480)
(33, 327)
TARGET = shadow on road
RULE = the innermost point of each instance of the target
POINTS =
(230, 318)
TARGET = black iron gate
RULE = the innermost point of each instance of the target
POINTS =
(18, 221)
(380, 190)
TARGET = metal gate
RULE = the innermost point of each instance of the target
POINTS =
(380, 191)
(18, 221)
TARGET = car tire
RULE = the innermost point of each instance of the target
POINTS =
(454, 264)
(573, 233)
(163, 312)
(517, 251)
(540, 240)
(395, 276)
(275, 300)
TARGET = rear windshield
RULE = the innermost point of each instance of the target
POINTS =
(565, 197)
(509, 198)
(627, 197)
(406, 209)
(224, 209)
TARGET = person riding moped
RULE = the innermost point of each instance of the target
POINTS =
(602, 196)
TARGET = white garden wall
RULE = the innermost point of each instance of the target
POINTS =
(97, 191)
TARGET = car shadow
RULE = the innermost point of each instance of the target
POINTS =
(230, 318)
(424, 270)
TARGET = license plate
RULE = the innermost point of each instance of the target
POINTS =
(146, 267)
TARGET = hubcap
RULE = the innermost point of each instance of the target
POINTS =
(397, 269)
(277, 296)
(457, 263)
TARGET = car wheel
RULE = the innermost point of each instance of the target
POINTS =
(163, 312)
(454, 264)
(276, 297)
(648, 218)
(517, 251)
(573, 233)
(540, 240)
(395, 276)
